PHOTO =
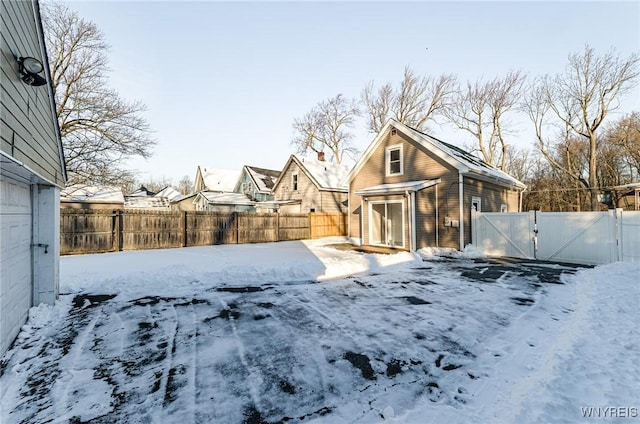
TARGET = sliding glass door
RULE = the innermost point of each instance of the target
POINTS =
(386, 223)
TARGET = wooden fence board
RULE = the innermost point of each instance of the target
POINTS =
(93, 231)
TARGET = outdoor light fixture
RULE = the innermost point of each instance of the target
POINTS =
(29, 68)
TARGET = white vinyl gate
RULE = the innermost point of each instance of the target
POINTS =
(576, 237)
(504, 234)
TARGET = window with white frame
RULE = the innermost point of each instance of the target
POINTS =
(294, 182)
(476, 204)
(394, 160)
(504, 208)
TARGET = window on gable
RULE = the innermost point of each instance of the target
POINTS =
(394, 160)
(294, 182)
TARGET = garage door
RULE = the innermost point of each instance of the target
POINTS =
(15, 258)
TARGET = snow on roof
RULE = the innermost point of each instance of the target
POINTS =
(91, 194)
(216, 179)
(328, 175)
(226, 198)
(149, 202)
(397, 187)
(169, 193)
(467, 159)
(141, 192)
(264, 178)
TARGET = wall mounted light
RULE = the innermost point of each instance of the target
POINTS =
(29, 68)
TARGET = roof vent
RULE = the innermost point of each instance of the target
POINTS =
(394, 131)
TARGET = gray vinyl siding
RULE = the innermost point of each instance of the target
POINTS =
(251, 189)
(27, 123)
(417, 165)
(420, 164)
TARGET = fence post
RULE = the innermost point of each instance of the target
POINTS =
(618, 230)
(115, 232)
(120, 231)
(236, 219)
(184, 229)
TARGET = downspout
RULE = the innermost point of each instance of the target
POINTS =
(414, 234)
(437, 219)
(410, 212)
(461, 208)
(349, 213)
(362, 221)
(520, 201)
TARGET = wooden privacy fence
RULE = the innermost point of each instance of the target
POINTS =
(96, 231)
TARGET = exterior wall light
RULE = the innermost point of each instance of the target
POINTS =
(29, 68)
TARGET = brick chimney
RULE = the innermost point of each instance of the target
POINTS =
(321, 156)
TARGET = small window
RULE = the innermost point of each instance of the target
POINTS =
(476, 204)
(394, 160)
(294, 182)
(504, 208)
(312, 210)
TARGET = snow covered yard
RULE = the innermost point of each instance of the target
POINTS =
(300, 332)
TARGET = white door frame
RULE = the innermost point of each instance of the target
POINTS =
(370, 211)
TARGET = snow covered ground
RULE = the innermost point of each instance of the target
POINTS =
(302, 332)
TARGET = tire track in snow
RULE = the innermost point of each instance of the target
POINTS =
(254, 374)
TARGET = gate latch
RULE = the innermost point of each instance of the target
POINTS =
(46, 247)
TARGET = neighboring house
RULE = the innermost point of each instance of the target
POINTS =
(628, 196)
(145, 199)
(213, 179)
(32, 170)
(80, 196)
(311, 185)
(184, 204)
(169, 193)
(410, 190)
(223, 202)
(141, 192)
(257, 183)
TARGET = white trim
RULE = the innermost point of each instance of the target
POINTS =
(413, 221)
(397, 188)
(437, 219)
(475, 200)
(431, 145)
(361, 223)
(387, 160)
(386, 202)
(461, 208)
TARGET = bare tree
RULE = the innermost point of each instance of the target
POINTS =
(185, 185)
(481, 110)
(326, 127)
(99, 129)
(415, 102)
(577, 102)
(625, 134)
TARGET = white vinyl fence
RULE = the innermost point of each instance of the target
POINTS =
(576, 237)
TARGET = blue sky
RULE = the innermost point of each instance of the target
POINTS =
(223, 81)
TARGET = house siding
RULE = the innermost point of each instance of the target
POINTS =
(492, 196)
(416, 166)
(420, 164)
(308, 193)
(247, 186)
(27, 123)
